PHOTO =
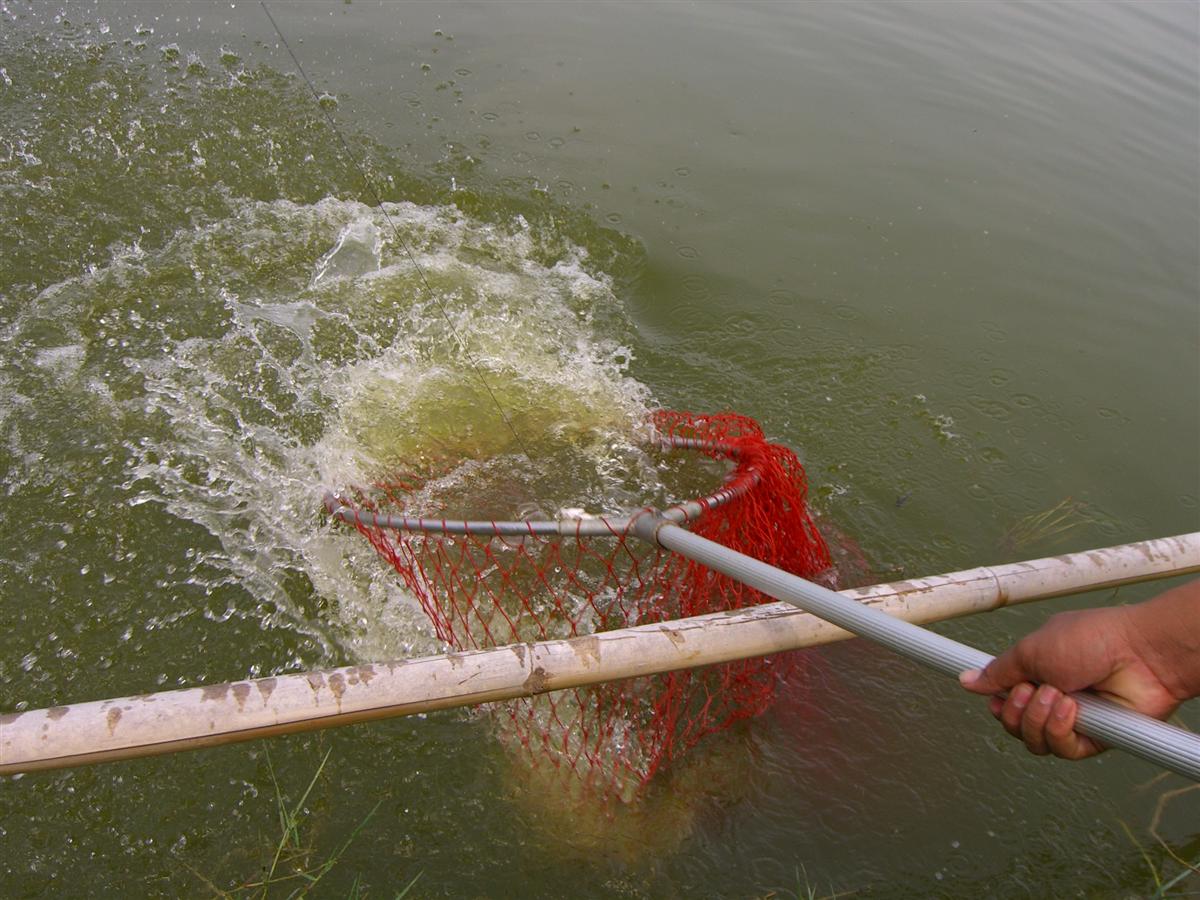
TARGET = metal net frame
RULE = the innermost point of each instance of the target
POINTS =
(486, 584)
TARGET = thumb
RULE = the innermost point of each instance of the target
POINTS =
(998, 676)
(976, 681)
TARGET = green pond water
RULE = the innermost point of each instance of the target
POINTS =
(947, 252)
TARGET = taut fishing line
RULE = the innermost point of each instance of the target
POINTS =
(374, 194)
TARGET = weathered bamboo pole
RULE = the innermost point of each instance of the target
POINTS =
(192, 718)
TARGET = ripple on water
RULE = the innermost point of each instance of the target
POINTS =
(696, 287)
(991, 407)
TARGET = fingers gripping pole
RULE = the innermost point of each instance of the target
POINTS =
(1165, 745)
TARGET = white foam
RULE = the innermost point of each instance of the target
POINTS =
(63, 360)
(339, 360)
(355, 253)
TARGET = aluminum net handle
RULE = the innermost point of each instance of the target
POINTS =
(744, 478)
(1165, 745)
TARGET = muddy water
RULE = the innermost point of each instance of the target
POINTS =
(947, 252)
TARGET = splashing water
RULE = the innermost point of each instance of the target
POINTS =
(289, 348)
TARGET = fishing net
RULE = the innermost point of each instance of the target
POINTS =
(490, 584)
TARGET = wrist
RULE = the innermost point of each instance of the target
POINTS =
(1165, 634)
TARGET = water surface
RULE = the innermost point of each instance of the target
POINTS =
(948, 252)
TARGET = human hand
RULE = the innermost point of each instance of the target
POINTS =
(1106, 650)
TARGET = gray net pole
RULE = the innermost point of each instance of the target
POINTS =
(1165, 745)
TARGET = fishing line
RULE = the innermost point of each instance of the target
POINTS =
(374, 194)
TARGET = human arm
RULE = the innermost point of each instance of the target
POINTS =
(1146, 657)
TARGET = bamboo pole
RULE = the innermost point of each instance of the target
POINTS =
(192, 718)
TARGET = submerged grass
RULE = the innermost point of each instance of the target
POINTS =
(1168, 883)
(805, 890)
(1048, 526)
(293, 870)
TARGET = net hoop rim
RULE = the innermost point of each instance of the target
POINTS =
(740, 482)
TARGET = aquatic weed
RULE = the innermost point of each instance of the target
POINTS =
(1166, 886)
(805, 890)
(1047, 526)
(292, 860)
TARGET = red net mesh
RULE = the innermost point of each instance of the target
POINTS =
(608, 741)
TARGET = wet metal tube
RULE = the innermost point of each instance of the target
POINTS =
(1165, 745)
